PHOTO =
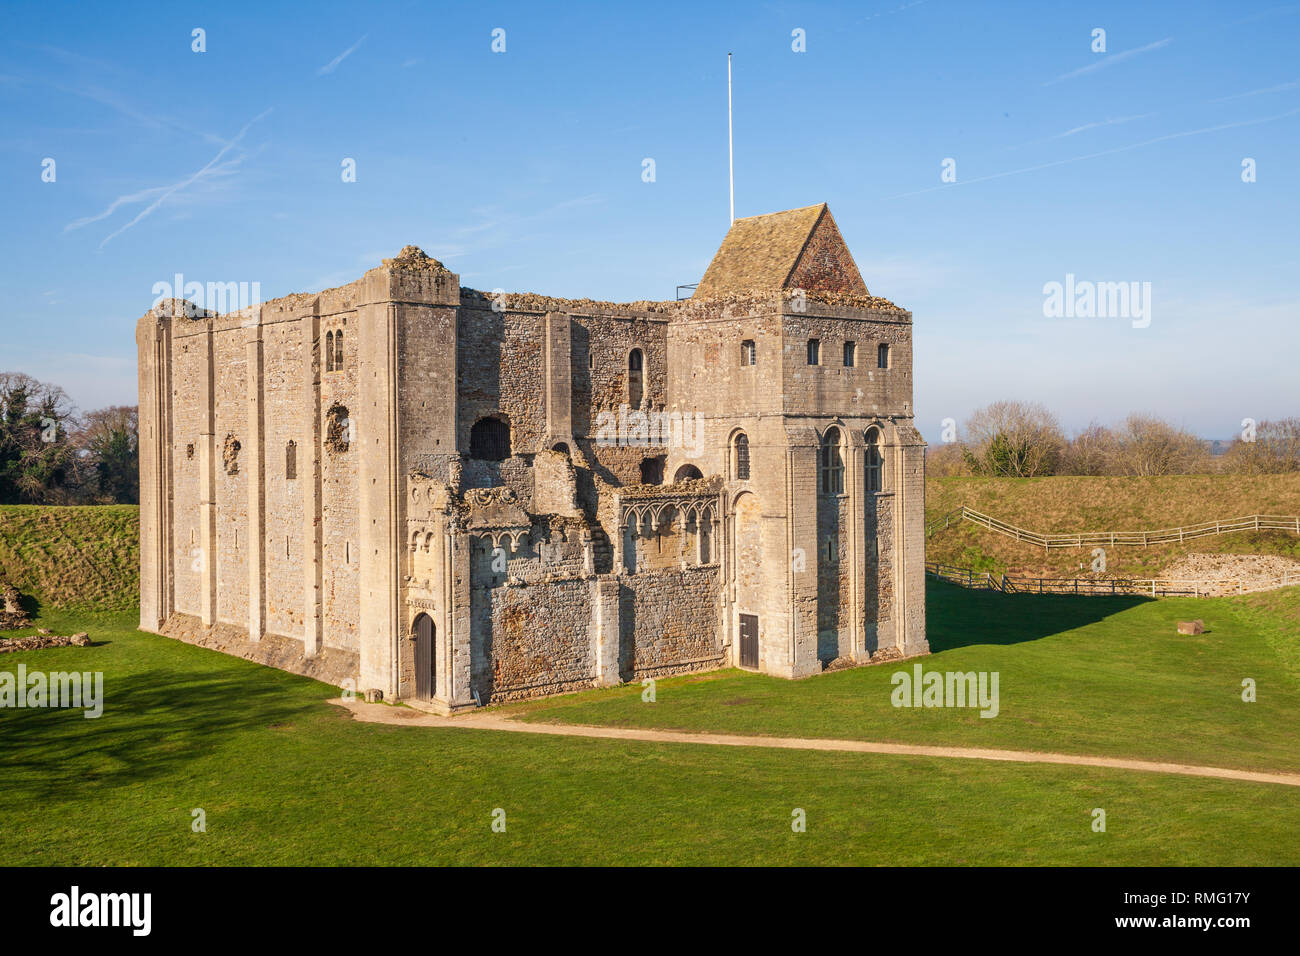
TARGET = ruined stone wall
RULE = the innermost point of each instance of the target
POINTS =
(600, 346)
(530, 641)
(500, 366)
(669, 622)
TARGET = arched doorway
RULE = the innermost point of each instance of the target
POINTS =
(424, 657)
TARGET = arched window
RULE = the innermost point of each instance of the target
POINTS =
(814, 351)
(338, 351)
(748, 354)
(635, 363)
(329, 351)
(882, 355)
(688, 473)
(850, 354)
(831, 463)
(875, 461)
(489, 440)
(740, 445)
(291, 460)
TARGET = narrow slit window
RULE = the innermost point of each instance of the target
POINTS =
(329, 351)
(635, 373)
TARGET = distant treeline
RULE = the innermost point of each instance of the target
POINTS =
(1025, 440)
(53, 454)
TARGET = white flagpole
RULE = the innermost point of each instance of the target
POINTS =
(731, 153)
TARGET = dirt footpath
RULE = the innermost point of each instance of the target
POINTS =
(384, 714)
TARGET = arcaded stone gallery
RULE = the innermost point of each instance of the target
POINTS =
(460, 497)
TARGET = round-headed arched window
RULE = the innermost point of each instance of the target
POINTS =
(489, 440)
(831, 463)
(875, 461)
(740, 447)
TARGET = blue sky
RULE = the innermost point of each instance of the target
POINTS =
(523, 170)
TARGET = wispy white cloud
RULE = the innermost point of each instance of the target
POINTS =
(1110, 59)
(160, 194)
(1279, 88)
(333, 64)
(1074, 131)
(1109, 121)
(1104, 152)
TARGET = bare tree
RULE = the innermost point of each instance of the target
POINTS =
(1275, 449)
(1014, 439)
(1147, 445)
(945, 461)
(1090, 452)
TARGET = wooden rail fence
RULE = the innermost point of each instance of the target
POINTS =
(1101, 587)
(1093, 539)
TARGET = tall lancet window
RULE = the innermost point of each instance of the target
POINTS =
(875, 461)
(831, 462)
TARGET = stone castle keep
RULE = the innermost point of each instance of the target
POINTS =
(460, 498)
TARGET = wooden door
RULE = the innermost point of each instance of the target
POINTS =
(424, 659)
(749, 641)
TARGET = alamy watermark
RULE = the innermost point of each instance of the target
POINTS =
(946, 689)
(72, 689)
(219, 297)
(1085, 299)
(639, 429)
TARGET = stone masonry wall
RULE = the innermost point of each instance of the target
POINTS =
(669, 622)
(531, 641)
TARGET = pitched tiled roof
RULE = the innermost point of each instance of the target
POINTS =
(759, 252)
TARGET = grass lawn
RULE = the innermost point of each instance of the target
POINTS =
(285, 778)
(1076, 675)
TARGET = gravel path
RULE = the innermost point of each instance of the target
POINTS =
(383, 714)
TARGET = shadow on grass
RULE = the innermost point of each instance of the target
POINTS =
(961, 617)
(30, 605)
(151, 725)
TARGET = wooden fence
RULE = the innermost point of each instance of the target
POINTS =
(1101, 587)
(1095, 539)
